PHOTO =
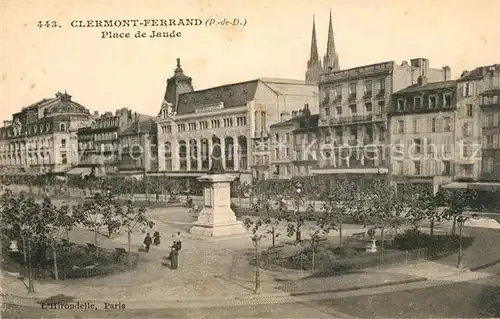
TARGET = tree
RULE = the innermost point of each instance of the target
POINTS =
(59, 222)
(426, 205)
(304, 210)
(131, 218)
(90, 215)
(383, 207)
(456, 203)
(339, 202)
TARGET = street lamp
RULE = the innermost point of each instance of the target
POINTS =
(27, 255)
(298, 190)
(256, 243)
(461, 221)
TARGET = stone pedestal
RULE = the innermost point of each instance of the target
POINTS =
(217, 219)
(371, 246)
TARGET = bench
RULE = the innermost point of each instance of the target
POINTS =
(119, 252)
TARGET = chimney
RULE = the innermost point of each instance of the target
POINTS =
(422, 80)
(464, 73)
(446, 73)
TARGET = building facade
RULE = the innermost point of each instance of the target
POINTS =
(330, 59)
(235, 117)
(42, 137)
(473, 87)
(138, 147)
(353, 140)
(288, 144)
(489, 101)
(422, 126)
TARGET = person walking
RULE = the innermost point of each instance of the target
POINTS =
(177, 241)
(156, 238)
(147, 242)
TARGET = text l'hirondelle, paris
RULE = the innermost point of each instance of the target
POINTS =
(135, 23)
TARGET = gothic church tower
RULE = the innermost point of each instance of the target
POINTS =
(330, 59)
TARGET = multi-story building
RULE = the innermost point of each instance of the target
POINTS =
(235, 117)
(473, 87)
(138, 147)
(489, 102)
(42, 137)
(288, 144)
(422, 125)
(330, 59)
(353, 123)
(99, 142)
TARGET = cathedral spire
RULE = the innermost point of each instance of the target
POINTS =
(331, 58)
(313, 64)
(314, 57)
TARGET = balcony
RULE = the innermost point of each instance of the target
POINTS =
(352, 97)
(368, 95)
(354, 119)
(338, 99)
(381, 93)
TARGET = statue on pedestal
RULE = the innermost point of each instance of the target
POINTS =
(217, 166)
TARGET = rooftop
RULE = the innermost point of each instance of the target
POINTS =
(430, 86)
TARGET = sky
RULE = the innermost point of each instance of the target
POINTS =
(108, 74)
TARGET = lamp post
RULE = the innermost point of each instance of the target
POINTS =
(256, 242)
(298, 190)
(461, 221)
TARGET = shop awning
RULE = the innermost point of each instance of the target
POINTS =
(82, 171)
(482, 186)
(456, 185)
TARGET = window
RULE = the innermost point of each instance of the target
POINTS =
(488, 165)
(215, 123)
(276, 138)
(203, 125)
(469, 110)
(416, 168)
(417, 146)
(381, 106)
(242, 120)
(338, 92)
(352, 109)
(63, 142)
(401, 104)
(433, 125)
(417, 101)
(415, 125)
(327, 111)
(432, 101)
(277, 153)
(338, 110)
(467, 150)
(339, 135)
(352, 89)
(468, 89)
(447, 124)
(228, 122)
(192, 126)
(368, 88)
(62, 127)
(447, 100)
(368, 107)
(467, 130)
(446, 168)
(287, 137)
(401, 127)
(64, 158)
(489, 141)
(287, 152)
(331, 95)
(181, 127)
(489, 120)
(381, 85)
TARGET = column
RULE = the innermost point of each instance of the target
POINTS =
(236, 155)
(175, 155)
(210, 149)
(198, 154)
(223, 151)
(188, 155)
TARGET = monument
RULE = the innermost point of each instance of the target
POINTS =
(217, 219)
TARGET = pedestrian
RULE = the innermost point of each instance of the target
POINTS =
(177, 241)
(147, 242)
(156, 238)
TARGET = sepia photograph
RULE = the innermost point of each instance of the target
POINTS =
(249, 159)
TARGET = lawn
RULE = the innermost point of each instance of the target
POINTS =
(73, 260)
